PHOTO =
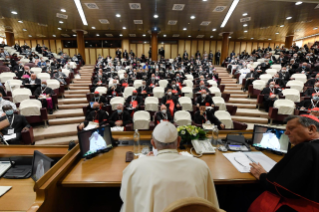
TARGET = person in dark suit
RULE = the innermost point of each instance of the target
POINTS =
(18, 124)
(185, 55)
(170, 101)
(197, 55)
(312, 82)
(44, 94)
(203, 116)
(217, 57)
(161, 52)
(95, 115)
(134, 102)
(19, 70)
(175, 88)
(118, 53)
(132, 53)
(120, 117)
(305, 70)
(150, 53)
(163, 115)
(270, 95)
(307, 104)
(204, 99)
(210, 56)
(278, 81)
(115, 89)
(312, 90)
(125, 54)
(284, 75)
(250, 78)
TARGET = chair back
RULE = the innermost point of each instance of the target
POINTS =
(111, 83)
(188, 83)
(36, 70)
(43, 76)
(158, 92)
(128, 91)
(20, 94)
(272, 72)
(14, 83)
(66, 72)
(285, 106)
(259, 84)
(189, 77)
(292, 94)
(121, 72)
(276, 66)
(101, 90)
(53, 84)
(24, 61)
(215, 90)
(213, 83)
(265, 77)
(255, 64)
(192, 204)
(30, 107)
(300, 77)
(141, 120)
(6, 76)
(261, 60)
(151, 103)
(137, 83)
(187, 91)
(220, 102)
(225, 118)
(163, 83)
(182, 117)
(186, 103)
(295, 84)
(115, 101)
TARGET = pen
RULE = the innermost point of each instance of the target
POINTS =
(251, 159)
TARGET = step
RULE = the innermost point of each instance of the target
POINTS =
(235, 92)
(82, 80)
(79, 95)
(72, 120)
(84, 91)
(55, 131)
(78, 88)
(251, 112)
(231, 85)
(250, 106)
(233, 88)
(80, 84)
(228, 81)
(72, 101)
(243, 100)
(58, 141)
(247, 119)
(66, 113)
(72, 106)
(234, 95)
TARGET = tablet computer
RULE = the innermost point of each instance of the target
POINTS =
(40, 165)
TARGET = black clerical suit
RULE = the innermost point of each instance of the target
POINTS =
(249, 81)
(278, 81)
(133, 102)
(310, 91)
(19, 122)
(114, 91)
(167, 101)
(306, 70)
(207, 116)
(124, 116)
(165, 117)
(118, 54)
(39, 90)
(208, 100)
(269, 102)
(217, 58)
(18, 70)
(96, 115)
(285, 77)
(144, 90)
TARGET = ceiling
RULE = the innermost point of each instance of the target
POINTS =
(266, 18)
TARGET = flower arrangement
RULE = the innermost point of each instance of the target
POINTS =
(190, 132)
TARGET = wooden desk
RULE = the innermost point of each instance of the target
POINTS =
(28, 150)
(105, 170)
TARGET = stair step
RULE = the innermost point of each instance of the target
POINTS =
(235, 92)
(81, 84)
(66, 113)
(235, 95)
(233, 88)
(72, 101)
(78, 95)
(242, 105)
(232, 85)
(78, 88)
(84, 91)
(251, 112)
(71, 120)
(243, 100)
(250, 119)
(72, 106)
(55, 131)
(58, 141)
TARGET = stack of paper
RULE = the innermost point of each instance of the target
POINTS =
(4, 189)
(242, 160)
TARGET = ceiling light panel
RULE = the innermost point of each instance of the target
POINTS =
(104, 21)
(205, 23)
(172, 22)
(229, 13)
(135, 6)
(138, 21)
(59, 15)
(219, 8)
(178, 7)
(92, 6)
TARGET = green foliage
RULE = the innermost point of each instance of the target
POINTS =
(190, 132)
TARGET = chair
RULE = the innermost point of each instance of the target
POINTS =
(213, 83)
(121, 76)
(20, 94)
(158, 92)
(295, 84)
(259, 84)
(186, 103)
(121, 72)
(14, 84)
(44, 58)
(24, 61)
(73, 65)
(4, 69)
(276, 66)
(276, 56)
(225, 118)
(282, 108)
(66, 72)
(188, 83)
(137, 83)
(220, 102)
(151, 103)
(111, 83)
(215, 91)
(192, 204)
(255, 64)
(189, 77)
(187, 91)
(33, 111)
(31, 65)
(128, 92)
(55, 86)
(272, 72)
(44, 76)
(115, 101)
(36, 70)
(300, 77)
(142, 120)
(6, 76)
(163, 83)
(182, 117)
(101, 89)
(261, 60)
(265, 77)
(292, 94)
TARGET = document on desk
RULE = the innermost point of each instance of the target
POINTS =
(4, 189)
(242, 160)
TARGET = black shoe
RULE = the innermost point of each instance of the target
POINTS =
(244, 90)
(50, 112)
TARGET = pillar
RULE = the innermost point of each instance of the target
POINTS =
(225, 44)
(10, 38)
(288, 41)
(80, 43)
(154, 44)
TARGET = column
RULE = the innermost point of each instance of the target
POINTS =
(154, 44)
(80, 43)
(10, 38)
(288, 41)
(225, 44)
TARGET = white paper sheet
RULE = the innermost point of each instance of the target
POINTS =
(241, 161)
(4, 189)
(8, 137)
(117, 129)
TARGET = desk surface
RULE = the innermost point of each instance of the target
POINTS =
(106, 169)
(28, 150)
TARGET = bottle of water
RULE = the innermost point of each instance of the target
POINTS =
(136, 139)
(215, 133)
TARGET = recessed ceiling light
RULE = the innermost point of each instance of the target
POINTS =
(30, 36)
(188, 23)
(245, 31)
(298, 2)
(282, 25)
(54, 35)
(204, 0)
(121, 35)
(124, 28)
(63, 10)
(59, 29)
(74, 35)
(93, 27)
(14, 12)
(214, 30)
(229, 37)
(118, 15)
(97, 35)
(192, 17)
(244, 14)
(189, 36)
(245, 25)
(315, 28)
(20, 21)
(277, 33)
(252, 38)
(24, 29)
(144, 35)
(164, 35)
(155, 16)
(269, 39)
(211, 36)
(184, 28)
(61, 22)
(289, 18)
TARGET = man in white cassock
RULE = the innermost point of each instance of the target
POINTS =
(40, 170)
(150, 184)
(270, 141)
(243, 73)
(96, 142)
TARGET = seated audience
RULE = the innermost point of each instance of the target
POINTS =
(164, 115)
(279, 83)
(205, 99)
(144, 90)
(170, 101)
(60, 76)
(312, 90)
(133, 102)
(307, 104)
(270, 95)
(6, 102)
(96, 115)
(120, 117)
(203, 116)
(44, 94)
(250, 78)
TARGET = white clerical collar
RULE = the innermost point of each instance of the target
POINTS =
(167, 151)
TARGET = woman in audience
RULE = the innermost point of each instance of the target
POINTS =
(44, 94)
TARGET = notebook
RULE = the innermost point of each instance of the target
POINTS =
(4, 189)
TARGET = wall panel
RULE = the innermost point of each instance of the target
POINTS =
(53, 46)
(133, 48)
(194, 47)
(181, 47)
(249, 45)
(40, 42)
(92, 56)
(46, 43)
(112, 52)
(237, 48)
(255, 45)
(146, 49)
(243, 46)
(219, 48)
(99, 52)
(66, 51)
(72, 52)
(106, 52)
(260, 44)
(207, 46)
(231, 47)
(58, 44)
(125, 45)
(87, 56)
(213, 45)
(28, 42)
(33, 43)
(139, 50)
(174, 51)
(187, 48)
(167, 49)
(200, 47)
